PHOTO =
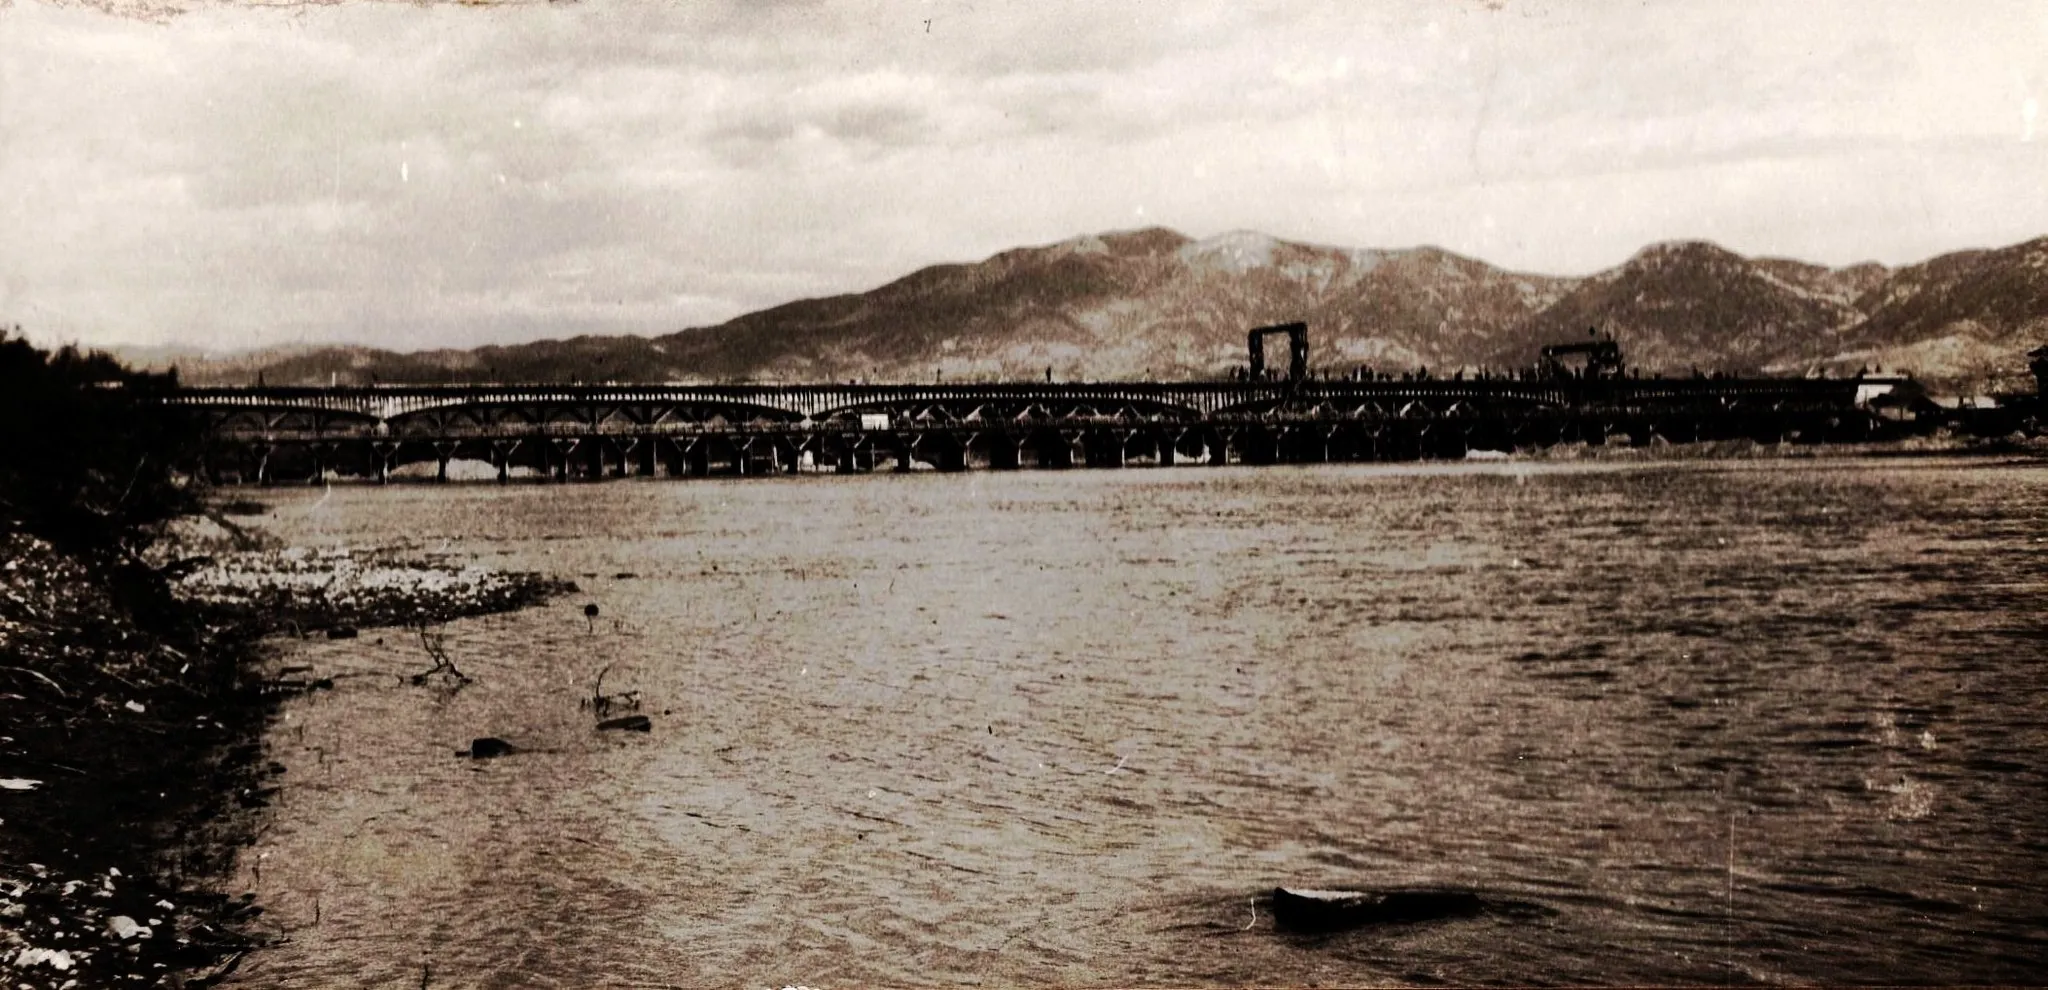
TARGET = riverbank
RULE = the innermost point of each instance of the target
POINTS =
(1943, 444)
(130, 762)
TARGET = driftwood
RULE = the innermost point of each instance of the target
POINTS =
(435, 642)
(604, 704)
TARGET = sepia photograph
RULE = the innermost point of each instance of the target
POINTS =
(813, 494)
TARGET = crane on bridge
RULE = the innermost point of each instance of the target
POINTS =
(1297, 350)
(1603, 359)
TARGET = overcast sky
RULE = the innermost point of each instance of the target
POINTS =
(407, 176)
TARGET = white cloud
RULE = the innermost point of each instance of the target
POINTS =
(411, 176)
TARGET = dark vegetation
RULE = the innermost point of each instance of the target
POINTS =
(131, 715)
(122, 751)
(87, 462)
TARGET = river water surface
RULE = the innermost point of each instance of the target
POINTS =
(1676, 723)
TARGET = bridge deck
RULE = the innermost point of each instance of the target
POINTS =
(816, 401)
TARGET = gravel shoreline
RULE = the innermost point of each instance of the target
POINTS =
(130, 758)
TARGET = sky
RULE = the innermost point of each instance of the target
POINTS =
(222, 177)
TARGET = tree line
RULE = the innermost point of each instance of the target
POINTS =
(90, 456)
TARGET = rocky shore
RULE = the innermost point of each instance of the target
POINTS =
(130, 743)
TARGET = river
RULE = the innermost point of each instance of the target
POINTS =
(1676, 723)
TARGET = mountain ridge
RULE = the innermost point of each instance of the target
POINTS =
(1154, 303)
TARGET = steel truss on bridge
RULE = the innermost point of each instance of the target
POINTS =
(274, 434)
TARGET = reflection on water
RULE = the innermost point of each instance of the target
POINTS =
(1677, 724)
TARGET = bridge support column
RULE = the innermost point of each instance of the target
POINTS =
(564, 449)
(1121, 456)
(1169, 446)
(1005, 452)
(381, 455)
(906, 446)
(443, 453)
(952, 454)
(1219, 447)
(1056, 448)
(262, 453)
(1366, 445)
(626, 447)
(501, 458)
(322, 454)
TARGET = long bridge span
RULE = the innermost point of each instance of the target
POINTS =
(284, 433)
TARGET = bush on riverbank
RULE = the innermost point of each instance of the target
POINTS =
(88, 460)
(130, 716)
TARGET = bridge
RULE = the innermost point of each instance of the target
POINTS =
(282, 433)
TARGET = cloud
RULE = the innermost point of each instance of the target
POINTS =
(415, 176)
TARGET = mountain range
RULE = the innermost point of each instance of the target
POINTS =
(1155, 303)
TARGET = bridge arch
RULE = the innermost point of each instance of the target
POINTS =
(1021, 408)
(653, 413)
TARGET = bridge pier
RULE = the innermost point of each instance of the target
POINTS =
(1219, 446)
(625, 447)
(1369, 443)
(1004, 451)
(318, 454)
(260, 453)
(1099, 449)
(501, 458)
(1442, 440)
(951, 454)
(1258, 446)
(444, 451)
(688, 459)
(381, 456)
(1057, 448)
(858, 456)
(802, 451)
(564, 453)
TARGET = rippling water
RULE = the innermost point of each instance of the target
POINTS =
(1679, 723)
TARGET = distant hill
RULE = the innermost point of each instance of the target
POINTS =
(1969, 316)
(1690, 304)
(1155, 303)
